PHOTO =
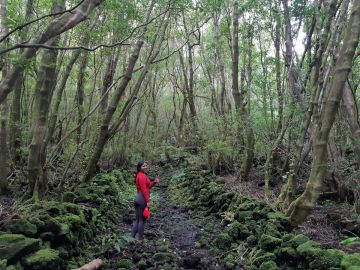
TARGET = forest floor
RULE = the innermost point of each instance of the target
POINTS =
(172, 238)
(332, 231)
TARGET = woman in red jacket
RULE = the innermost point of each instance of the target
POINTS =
(142, 199)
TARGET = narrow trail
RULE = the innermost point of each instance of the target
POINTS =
(174, 239)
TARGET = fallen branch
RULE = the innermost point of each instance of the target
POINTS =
(93, 265)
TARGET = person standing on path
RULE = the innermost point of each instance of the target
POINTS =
(142, 199)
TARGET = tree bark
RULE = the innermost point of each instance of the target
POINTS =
(45, 85)
(55, 28)
(301, 207)
(104, 128)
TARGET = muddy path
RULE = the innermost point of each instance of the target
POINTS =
(174, 238)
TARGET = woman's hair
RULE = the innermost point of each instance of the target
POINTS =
(138, 166)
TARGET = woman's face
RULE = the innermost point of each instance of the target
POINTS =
(144, 168)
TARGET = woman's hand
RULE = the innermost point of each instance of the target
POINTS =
(157, 179)
(148, 205)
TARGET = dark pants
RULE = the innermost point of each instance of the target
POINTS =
(138, 226)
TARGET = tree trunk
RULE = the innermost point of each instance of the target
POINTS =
(59, 25)
(4, 159)
(288, 190)
(351, 112)
(301, 207)
(45, 85)
(104, 128)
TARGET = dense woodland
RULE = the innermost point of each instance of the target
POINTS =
(265, 91)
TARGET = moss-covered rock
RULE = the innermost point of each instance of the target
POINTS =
(42, 260)
(252, 240)
(350, 260)
(142, 265)
(298, 240)
(236, 230)
(14, 246)
(223, 241)
(286, 253)
(3, 264)
(258, 260)
(309, 250)
(269, 265)
(125, 263)
(326, 258)
(164, 257)
(21, 226)
(268, 242)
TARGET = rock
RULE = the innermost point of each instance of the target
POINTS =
(141, 265)
(191, 261)
(15, 246)
(125, 263)
(69, 196)
(42, 260)
(223, 241)
(326, 259)
(269, 265)
(309, 250)
(21, 226)
(238, 231)
(243, 216)
(257, 261)
(287, 253)
(351, 260)
(252, 240)
(297, 240)
(163, 257)
(268, 242)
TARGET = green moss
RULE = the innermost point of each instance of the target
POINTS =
(268, 242)
(243, 216)
(223, 241)
(21, 226)
(257, 261)
(164, 257)
(43, 259)
(3, 264)
(298, 240)
(287, 237)
(326, 259)
(14, 246)
(287, 253)
(308, 249)
(238, 231)
(74, 221)
(269, 265)
(125, 263)
(142, 265)
(252, 240)
(351, 260)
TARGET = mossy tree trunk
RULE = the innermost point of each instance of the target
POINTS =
(120, 91)
(44, 88)
(287, 194)
(59, 25)
(4, 157)
(301, 207)
(351, 112)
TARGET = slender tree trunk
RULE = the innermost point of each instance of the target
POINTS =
(59, 93)
(104, 128)
(288, 190)
(108, 79)
(352, 114)
(300, 208)
(4, 159)
(56, 27)
(43, 93)
(80, 94)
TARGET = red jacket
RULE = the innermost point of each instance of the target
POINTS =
(143, 185)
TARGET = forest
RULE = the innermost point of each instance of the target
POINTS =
(246, 110)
